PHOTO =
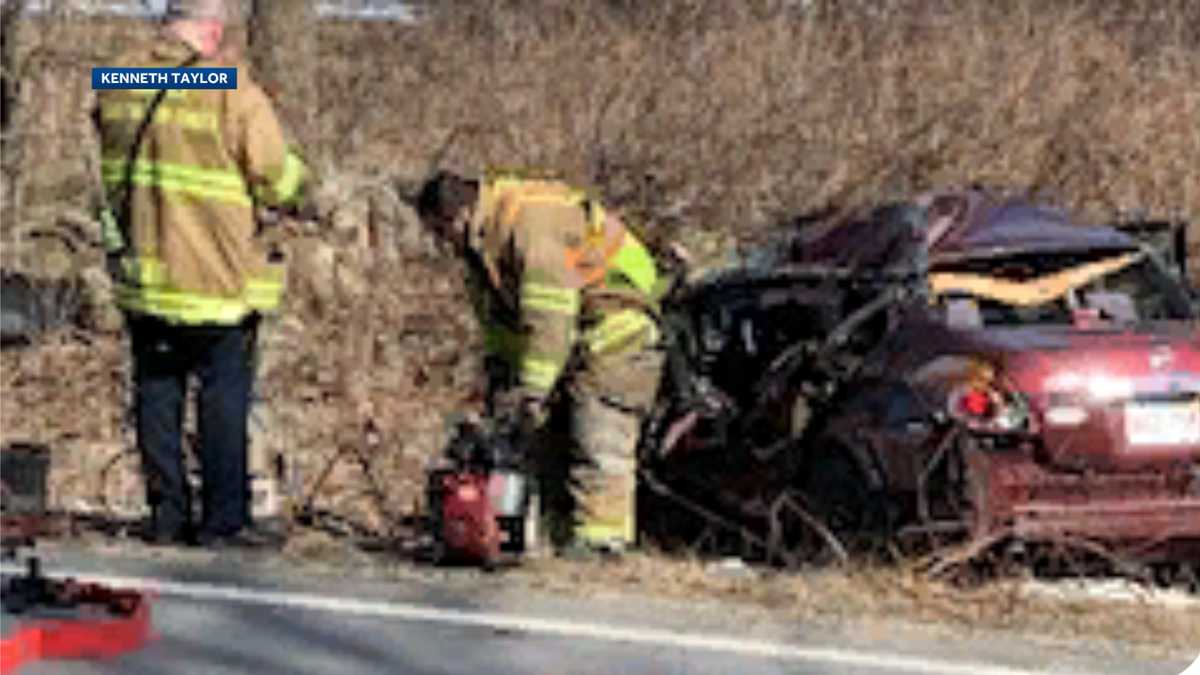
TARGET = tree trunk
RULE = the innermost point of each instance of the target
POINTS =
(283, 49)
(10, 168)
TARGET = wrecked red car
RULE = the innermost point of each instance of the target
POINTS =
(964, 369)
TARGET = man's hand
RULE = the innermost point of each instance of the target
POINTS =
(308, 210)
(680, 252)
(524, 411)
(534, 414)
(277, 227)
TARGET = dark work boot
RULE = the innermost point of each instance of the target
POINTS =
(245, 539)
(586, 551)
(159, 531)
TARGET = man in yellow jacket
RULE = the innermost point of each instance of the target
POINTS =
(558, 279)
(184, 171)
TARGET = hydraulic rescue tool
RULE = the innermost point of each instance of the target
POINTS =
(47, 618)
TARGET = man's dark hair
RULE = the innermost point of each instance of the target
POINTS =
(446, 195)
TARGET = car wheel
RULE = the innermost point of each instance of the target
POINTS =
(836, 491)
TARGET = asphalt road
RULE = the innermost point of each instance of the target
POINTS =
(227, 616)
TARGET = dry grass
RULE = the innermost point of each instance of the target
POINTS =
(880, 598)
(722, 116)
(707, 121)
(727, 117)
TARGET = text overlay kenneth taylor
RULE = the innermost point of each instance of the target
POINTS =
(164, 78)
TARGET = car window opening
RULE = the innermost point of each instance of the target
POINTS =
(1083, 289)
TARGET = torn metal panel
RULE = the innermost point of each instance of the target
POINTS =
(1034, 291)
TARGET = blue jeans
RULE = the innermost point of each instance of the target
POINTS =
(164, 355)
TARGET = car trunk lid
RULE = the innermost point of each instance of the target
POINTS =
(1115, 399)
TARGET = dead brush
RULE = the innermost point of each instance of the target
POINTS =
(702, 116)
(707, 121)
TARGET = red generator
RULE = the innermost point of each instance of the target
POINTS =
(478, 499)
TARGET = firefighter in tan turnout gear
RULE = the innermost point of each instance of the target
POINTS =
(558, 280)
(183, 172)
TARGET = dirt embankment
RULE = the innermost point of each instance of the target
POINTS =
(707, 121)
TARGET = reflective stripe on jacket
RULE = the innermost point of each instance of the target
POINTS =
(554, 269)
(207, 158)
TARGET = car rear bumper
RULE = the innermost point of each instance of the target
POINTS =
(1033, 502)
(1151, 519)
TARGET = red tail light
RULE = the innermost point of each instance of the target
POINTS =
(984, 408)
(975, 402)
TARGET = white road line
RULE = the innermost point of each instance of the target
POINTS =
(531, 624)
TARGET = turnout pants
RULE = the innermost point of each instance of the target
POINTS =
(586, 459)
(164, 356)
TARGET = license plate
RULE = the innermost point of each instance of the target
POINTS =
(1162, 423)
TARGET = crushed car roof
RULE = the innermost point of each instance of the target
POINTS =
(1000, 226)
(962, 224)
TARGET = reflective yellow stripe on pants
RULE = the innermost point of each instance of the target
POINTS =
(607, 533)
(618, 329)
(606, 486)
(539, 373)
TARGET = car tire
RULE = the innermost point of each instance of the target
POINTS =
(837, 490)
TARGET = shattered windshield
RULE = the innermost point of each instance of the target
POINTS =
(1121, 287)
